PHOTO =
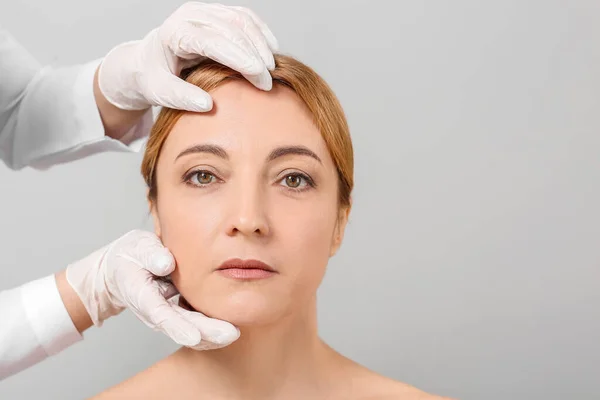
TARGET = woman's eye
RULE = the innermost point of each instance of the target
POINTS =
(202, 178)
(296, 181)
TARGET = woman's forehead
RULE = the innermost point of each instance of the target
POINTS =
(245, 117)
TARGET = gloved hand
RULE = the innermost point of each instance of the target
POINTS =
(125, 274)
(139, 74)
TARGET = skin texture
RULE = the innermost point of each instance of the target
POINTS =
(79, 315)
(248, 209)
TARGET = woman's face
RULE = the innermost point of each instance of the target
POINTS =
(251, 180)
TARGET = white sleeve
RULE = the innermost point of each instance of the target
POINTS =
(49, 115)
(34, 324)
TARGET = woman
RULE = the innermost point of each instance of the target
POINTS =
(264, 182)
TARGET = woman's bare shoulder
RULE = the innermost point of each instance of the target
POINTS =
(369, 385)
(148, 384)
(402, 391)
(388, 389)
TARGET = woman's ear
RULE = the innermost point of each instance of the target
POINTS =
(340, 228)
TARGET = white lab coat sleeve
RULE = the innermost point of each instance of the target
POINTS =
(49, 115)
(34, 325)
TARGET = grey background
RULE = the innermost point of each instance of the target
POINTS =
(471, 264)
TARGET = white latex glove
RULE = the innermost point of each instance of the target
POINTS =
(139, 74)
(125, 273)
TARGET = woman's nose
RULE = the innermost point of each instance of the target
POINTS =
(249, 212)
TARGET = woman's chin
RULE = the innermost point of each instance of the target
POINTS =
(242, 308)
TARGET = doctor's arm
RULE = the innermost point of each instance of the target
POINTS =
(53, 115)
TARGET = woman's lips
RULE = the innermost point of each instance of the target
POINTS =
(246, 269)
(246, 273)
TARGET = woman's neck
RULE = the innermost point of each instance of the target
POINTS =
(283, 360)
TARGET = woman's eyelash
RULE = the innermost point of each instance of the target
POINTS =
(187, 179)
(310, 183)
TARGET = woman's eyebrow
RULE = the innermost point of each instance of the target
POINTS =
(292, 150)
(276, 153)
(205, 148)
